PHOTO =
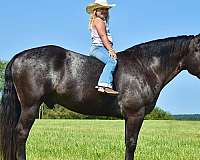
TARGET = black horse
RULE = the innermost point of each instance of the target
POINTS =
(54, 75)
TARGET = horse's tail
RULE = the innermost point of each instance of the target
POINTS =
(10, 110)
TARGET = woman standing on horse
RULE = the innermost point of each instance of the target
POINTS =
(102, 43)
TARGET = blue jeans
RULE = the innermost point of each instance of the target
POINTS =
(106, 77)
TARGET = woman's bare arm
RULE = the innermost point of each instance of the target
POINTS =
(101, 29)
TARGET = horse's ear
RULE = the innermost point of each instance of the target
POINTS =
(197, 38)
(197, 41)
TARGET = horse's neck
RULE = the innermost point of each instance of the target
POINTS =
(167, 66)
(171, 70)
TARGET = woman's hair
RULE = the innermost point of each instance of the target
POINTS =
(92, 17)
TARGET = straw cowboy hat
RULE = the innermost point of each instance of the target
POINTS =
(98, 4)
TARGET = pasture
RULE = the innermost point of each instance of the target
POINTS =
(104, 140)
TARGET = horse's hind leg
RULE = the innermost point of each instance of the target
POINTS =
(26, 120)
(133, 123)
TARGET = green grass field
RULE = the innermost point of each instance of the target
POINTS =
(104, 140)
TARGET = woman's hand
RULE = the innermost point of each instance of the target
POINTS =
(112, 54)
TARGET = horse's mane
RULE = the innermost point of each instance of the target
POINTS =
(155, 45)
(154, 42)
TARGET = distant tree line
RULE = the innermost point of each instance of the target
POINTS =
(60, 112)
(193, 117)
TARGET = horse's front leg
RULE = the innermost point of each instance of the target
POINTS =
(133, 123)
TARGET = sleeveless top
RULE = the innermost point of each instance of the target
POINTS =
(96, 40)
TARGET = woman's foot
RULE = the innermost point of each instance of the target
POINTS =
(106, 90)
(110, 91)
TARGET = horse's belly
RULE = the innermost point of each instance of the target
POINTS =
(90, 107)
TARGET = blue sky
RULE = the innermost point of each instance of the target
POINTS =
(26, 24)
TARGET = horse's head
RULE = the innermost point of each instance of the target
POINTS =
(192, 60)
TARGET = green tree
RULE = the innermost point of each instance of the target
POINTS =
(159, 114)
(2, 69)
